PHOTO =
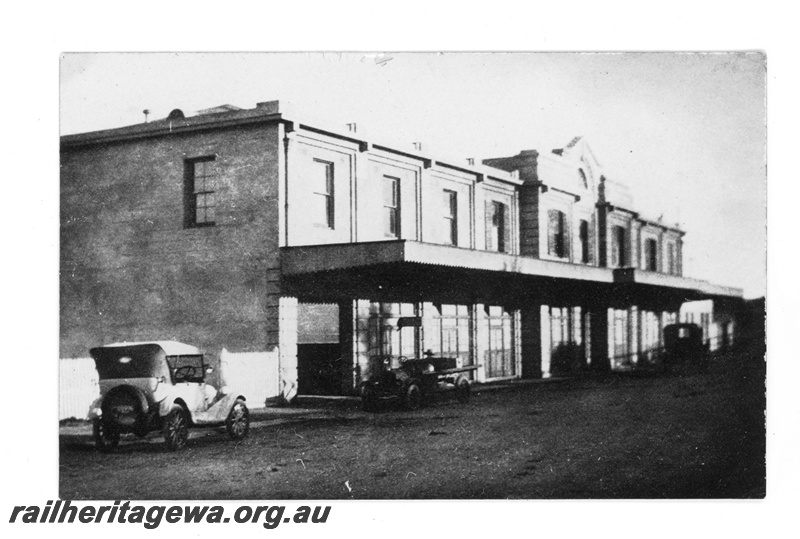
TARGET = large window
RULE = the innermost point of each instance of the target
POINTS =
(391, 206)
(672, 262)
(500, 359)
(583, 237)
(322, 211)
(450, 202)
(498, 230)
(556, 234)
(449, 334)
(619, 251)
(199, 192)
(386, 338)
(651, 254)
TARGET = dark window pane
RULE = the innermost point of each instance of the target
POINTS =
(199, 196)
(451, 217)
(391, 204)
(584, 239)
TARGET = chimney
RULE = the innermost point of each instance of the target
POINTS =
(352, 127)
(146, 113)
(471, 161)
(269, 107)
(417, 146)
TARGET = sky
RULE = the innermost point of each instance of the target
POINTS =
(686, 131)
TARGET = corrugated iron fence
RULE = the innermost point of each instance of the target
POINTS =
(253, 374)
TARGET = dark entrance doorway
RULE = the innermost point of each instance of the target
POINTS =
(319, 352)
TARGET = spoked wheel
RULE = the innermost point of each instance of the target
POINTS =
(106, 435)
(238, 422)
(462, 390)
(176, 428)
(413, 397)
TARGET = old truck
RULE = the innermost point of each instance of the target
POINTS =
(684, 349)
(415, 381)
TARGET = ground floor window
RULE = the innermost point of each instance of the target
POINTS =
(651, 335)
(500, 358)
(449, 332)
(387, 339)
(620, 352)
(568, 339)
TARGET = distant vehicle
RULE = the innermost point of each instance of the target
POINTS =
(159, 385)
(415, 381)
(684, 347)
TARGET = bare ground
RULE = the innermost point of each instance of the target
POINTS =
(696, 436)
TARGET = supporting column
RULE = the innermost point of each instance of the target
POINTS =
(353, 338)
(516, 343)
(531, 337)
(641, 331)
(633, 330)
(287, 347)
(599, 338)
(480, 339)
(545, 339)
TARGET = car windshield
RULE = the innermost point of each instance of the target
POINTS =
(187, 368)
(136, 361)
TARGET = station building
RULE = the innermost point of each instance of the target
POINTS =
(253, 231)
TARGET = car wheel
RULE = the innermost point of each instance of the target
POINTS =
(413, 397)
(176, 428)
(462, 390)
(106, 435)
(238, 422)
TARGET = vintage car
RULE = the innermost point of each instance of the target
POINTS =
(160, 385)
(684, 349)
(414, 381)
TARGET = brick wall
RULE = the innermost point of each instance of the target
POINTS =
(130, 270)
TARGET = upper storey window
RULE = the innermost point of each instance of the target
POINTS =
(391, 207)
(672, 259)
(583, 238)
(651, 255)
(557, 234)
(323, 193)
(498, 227)
(199, 192)
(450, 203)
(619, 250)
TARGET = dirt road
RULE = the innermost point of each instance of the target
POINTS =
(698, 436)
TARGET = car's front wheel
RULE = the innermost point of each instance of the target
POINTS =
(106, 435)
(413, 397)
(176, 428)
(369, 398)
(238, 422)
(462, 389)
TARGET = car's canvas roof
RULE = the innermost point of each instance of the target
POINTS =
(171, 348)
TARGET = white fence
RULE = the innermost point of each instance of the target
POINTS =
(78, 387)
(255, 375)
